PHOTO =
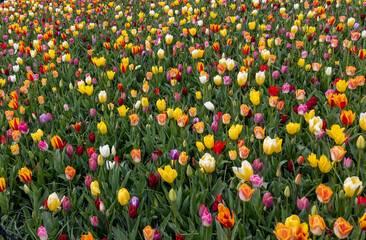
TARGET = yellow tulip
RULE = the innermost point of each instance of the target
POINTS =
(94, 187)
(209, 141)
(244, 172)
(161, 105)
(350, 186)
(123, 196)
(53, 202)
(324, 165)
(122, 110)
(255, 97)
(168, 174)
(293, 128)
(102, 127)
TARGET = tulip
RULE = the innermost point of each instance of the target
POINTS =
(160, 104)
(66, 204)
(2, 184)
(25, 175)
(324, 165)
(256, 181)
(168, 174)
(242, 78)
(53, 202)
(102, 127)
(257, 165)
(234, 131)
(94, 221)
(224, 216)
(94, 187)
(347, 162)
(209, 141)
(69, 172)
(259, 132)
(323, 193)
(136, 155)
(360, 143)
(88, 181)
(362, 222)
(303, 203)
(207, 163)
(87, 237)
(254, 97)
(135, 202)
(269, 145)
(267, 200)
(206, 218)
(57, 142)
(350, 185)
(317, 225)
(42, 233)
(209, 106)
(347, 117)
(123, 196)
(244, 172)
(148, 233)
(337, 153)
(292, 128)
(342, 228)
(245, 192)
(43, 146)
(102, 96)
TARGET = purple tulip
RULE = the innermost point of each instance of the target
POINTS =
(174, 154)
(154, 156)
(157, 235)
(88, 181)
(276, 74)
(258, 117)
(177, 97)
(267, 200)
(189, 69)
(303, 203)
(69, 150)
(135, 202)
(215, 126)
(284, 69)
(257, 165)
(66, 204)
(43, 118)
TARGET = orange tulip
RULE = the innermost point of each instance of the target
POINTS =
(161, 119)
(226, 118)
(347, 117)
(57, 142)
(259, 132)
(182, 120)
(148, 233)
(323, 193)
(70, 172)
(244, 110)
(362, 53)
(317, 225)
(2, 184)
(87, 237)
(77, 126)
(337, 153)
(245, 192)
(25, 174)
(362, 222)
(331, 100)
(136, 155)
(134, 119)
(282, 232)
(342, 228)
(14, 123)
(243, 152)
(341, 100)
(224, 216)
(199, 127)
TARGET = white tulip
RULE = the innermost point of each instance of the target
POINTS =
(104, 151)
(209, 106)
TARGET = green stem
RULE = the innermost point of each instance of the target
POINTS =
(244, 216)
(359, 162)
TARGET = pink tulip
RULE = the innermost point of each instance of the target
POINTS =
(257, 165)
(206, 219)
(43, 146)
(42, 233)
(256, 180)
(267, 200)
(303, 203)
(94, 221)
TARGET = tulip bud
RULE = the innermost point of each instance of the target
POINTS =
(100, 160)
(300, 160)
(172, 195)
(156, 202)
(26, 189)
(101, 207)
(30, 154)
(278, 172)
(189, 171)
(287, 191)
(298, 179)
(209, 87)
(341, 194)
(360, 142)
(61, 84)
(314, 210)
(71, 87)
(184, 143)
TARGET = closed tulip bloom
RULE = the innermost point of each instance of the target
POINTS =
(292, 128)
(66, 204)
(53, 202)
(350, 185)
(278, 147)
(235, 131)
(199, 127)
(25, 175)
(2, 184)
(317, 225)
(226, 118)
(267, 200)
(94, 187)
(269, 145)
(42, 233)
(102, 127)
(168, 174)
(255, 97)
(324, 165)
(209, 141)
(87, 237)
(244, 152)
(134, 119)
(123, 196)
(363, 121)
(102, 96)
(144, 102)
(323, 193)
(200, 146)
(160, 104)
(342, 228)
(336, 133)
(259, 132)
(245, 192)
(303, 203)
(224, 216)
(70, 172)
(105, 151)
(161, 118)
(244, 172)
(347, 117)
(256, 181)
(233, 155)
(57, 142)
(242, 78)
(136, 155)
(148, 233)
(337, 153)
(342, 86)
(362, 222)
(206, 218)
(183, 158)
(207, 163)
(209, 106)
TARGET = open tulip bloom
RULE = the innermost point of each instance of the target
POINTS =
(185, 119)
